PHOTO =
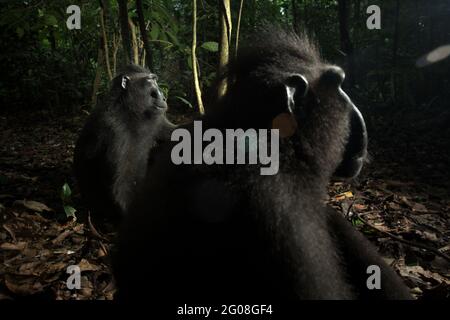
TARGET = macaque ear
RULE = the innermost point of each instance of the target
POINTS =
(125, 80)
(296, 87)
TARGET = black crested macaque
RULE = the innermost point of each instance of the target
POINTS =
(211, 233)
(113, 148)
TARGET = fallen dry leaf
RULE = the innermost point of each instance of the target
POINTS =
(406, 202)
(33, 205)
(343, 196)
(52, 267)
(13, 246)
(87, 266)
(29, 269)
(393, 206)
(359, 207)
(23, 286)
(10, 231)
(425, 275)
(418, 207)
(60, 238)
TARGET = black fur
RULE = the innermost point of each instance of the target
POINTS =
(206, 233)
(112, 150)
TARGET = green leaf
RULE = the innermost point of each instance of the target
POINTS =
(45, 43)
(173, 38)
(157, 17)
(66, 193)
(357, 222)
(50, 20)
(163, 37)
(211, 46)
(184, 101)
(154, 33)
(70, 212)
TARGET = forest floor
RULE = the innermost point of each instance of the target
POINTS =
(402, 195)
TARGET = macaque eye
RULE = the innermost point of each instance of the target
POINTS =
(151, 81)
(152, 78)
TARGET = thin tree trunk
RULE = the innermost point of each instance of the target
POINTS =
(98, 76)
(116, 42)
(346, 44)
(144, 36)
(143, 58)
(125, 30)
(105, 40)
(238, 27)
(134, 43)
(198, 91)
(224, 44)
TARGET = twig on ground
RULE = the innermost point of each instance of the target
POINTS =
(94, 231)
(410, 243)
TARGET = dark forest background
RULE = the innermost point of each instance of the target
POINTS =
(47, 66)
(51, 77)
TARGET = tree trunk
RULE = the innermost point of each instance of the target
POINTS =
(198, 91)
(224, 43)
(134, 43)
(346, 44)
(125, 30)
(143, 29)
(98, 75)
(238, 28)
(105, 39)
(143, 59)
(116, 44)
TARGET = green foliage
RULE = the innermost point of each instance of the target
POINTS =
(66, 198)
(46, 66)
(185, 101)
(154, 33)
(357, 222)
(70, 212)
(211, 46)
(66, 193)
